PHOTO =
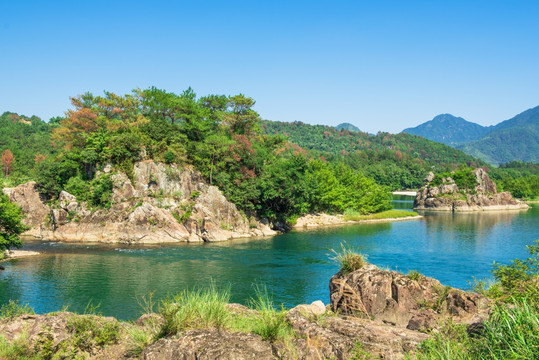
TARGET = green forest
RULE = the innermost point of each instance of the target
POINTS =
(268, 169)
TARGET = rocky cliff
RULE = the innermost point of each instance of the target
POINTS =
(448, 197)
(163, 203)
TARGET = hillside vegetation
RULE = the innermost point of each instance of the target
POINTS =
(218, 135)
(516, 139)
(399, 161)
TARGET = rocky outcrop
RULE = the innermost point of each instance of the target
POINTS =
(163, 203)
(396, 299)
(448, 197)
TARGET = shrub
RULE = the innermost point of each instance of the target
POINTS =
(415, 275)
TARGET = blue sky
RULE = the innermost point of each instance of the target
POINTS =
(381, 65)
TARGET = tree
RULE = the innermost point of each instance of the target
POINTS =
(11, 225)
(7, 161)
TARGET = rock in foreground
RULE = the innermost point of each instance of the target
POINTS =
(398, 300)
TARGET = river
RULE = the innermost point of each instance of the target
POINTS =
(295, 267)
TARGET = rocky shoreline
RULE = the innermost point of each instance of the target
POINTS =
(372, 312)
(160, 204)
(448, 197)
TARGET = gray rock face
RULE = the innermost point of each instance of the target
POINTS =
(165, 203)
(448, 197)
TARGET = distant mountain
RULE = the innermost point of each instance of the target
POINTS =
(450, 130)
(348, 127)
(510, 140)
(513, 139)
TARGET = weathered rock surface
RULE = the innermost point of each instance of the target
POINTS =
(448, 197)
(393, 298)
(210, 344)
(165, 203)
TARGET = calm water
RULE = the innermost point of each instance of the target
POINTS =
(295, 267)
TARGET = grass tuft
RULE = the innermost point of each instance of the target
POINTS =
(349, 259)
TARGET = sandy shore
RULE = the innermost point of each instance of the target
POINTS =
(407, 193)
(15, 254)
(311, 221)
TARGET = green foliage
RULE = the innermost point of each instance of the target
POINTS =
(200, 308)
(18, 349)
(519, 279)
(97, 193)
(13, 309)
(400, 161)
(11, 225)
(271, 324)
(510, 333)
(415, 275)
(348, 259)
(90, 331)
(463, 177)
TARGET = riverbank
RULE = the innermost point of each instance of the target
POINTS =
(14, 254)
(405, 192)
(373, 314)
(312, 221)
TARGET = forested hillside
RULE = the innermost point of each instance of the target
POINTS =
(516, 139)
(513, 139)
(449, 130)
(400, 161)
(218, 135)
(24, 142)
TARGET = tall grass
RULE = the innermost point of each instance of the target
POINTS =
(14, 309)
(510, 333)
(349, 259)
(200, 308)
(269, 323)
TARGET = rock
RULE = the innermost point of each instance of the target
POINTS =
(317, 308)
(423, 321)
(65, 199)
(33, 207)
(339, 338)
(210, 344)
(393, 298)
(448, 197)
(164, 204)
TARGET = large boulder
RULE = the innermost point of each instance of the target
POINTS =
(28, 198)
(396, 299)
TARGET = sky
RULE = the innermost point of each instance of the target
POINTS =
(380, 65)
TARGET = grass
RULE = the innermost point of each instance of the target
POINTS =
(14, 309)
(510, 333)
(415, 275)
(18, 349)
(389, 214)
(349, 259)
(208, 308)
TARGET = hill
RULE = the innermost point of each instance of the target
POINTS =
(28, 139)
(516, 139)
(449, 129)
(347, 126)
(513, 139)
(397, 160)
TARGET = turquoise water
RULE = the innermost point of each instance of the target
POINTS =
(295, 267)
